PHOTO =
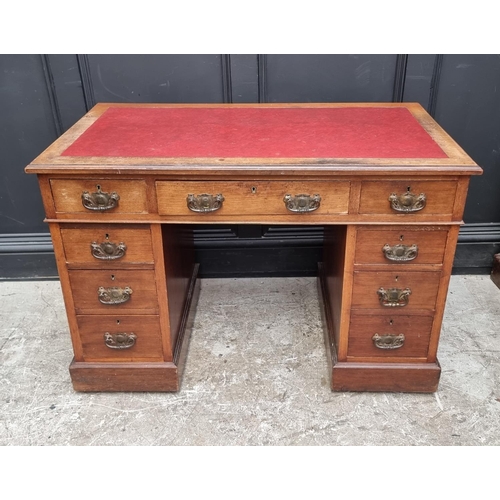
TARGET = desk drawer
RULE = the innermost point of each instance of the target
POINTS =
(252, 198)
(120, 338)
(112, 292)
(401, 245)
(101, 196)
(107, 246)
(395, 292)
(398, 336)
(408, 199)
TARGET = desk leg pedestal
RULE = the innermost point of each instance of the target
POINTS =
(385, 377)
(142, 377)
(370, 377)
(125, 377)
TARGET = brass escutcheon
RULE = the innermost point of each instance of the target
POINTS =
(100, 201)
(407, 202)
(388, 341)
(393, 297)
(302, 203)
(120, 340)
(204, 202)
(114, 295)
(107, 250)
(400, 253)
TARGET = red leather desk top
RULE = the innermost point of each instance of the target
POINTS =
(357, 132)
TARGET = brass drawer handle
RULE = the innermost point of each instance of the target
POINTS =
(100, 201)
(400, 253)
(393, 297)
(407, 202)
(107, 250)
(301, 203)
(114, 295)
(120, 340)
(204, 202)
(388, 341)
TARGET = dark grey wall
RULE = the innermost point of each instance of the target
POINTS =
(330, 78)
(468, 107)
(156, 78)
(26, 128)
(41, 96)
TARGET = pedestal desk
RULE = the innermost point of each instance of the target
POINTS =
(122, 188)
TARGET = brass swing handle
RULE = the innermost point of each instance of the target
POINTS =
(203, 203)
(107, 250)
(114, 295)
(388, 341)
(100, 201)
(400, 253)
(120, 340)
(407, 202)
(393, 297)
(301, 203)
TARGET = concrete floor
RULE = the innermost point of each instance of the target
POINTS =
(256, 374)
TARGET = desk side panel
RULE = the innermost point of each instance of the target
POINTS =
(178, 257)
(333, 269)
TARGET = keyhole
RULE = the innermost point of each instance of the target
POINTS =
(396, 279)
(106, 236)
(408, 188)
(401, 238)
(112, 277)
(254, 189)
(390, 322)
(117, 321)
(98, 187)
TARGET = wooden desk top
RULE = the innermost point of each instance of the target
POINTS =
(294, 139)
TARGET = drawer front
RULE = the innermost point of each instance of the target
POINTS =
(388, 291)
(120, 338)
(439, 198)
(113, 292)
(401, 245)
(398, 336)
(101, 196)
(107, 245)
(253, 198)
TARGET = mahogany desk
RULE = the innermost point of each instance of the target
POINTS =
(123, 186)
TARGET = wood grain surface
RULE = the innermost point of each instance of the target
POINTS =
(253, 198)
(423, 285)
(148, 346)
(67, 195)
(77, 239)
(416, 329)
(86, 283)
(430, 240)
